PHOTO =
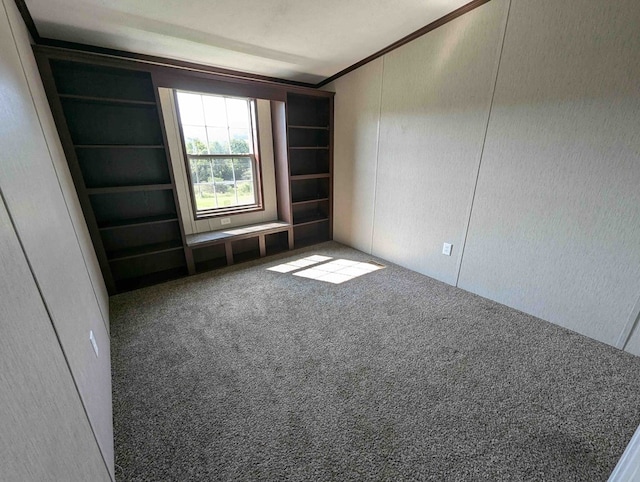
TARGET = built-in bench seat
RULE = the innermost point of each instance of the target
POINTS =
(226, 246)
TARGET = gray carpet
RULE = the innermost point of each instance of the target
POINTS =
(247, 374)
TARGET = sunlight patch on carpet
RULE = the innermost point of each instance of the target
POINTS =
(299, 263)
(338, 271)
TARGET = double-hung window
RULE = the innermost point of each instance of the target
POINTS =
(220, 141)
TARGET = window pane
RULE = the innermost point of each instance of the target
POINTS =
(195, 139)
(244, 180)
(218, 140)
(243, 168)
(222, 183)
(223, 170)
(190, 106)
(203, 190)
(215, 111)
(237, 113)
(245, 193)
(240, 141)
(218, 125)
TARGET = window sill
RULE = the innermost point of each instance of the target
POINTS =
(235, 211)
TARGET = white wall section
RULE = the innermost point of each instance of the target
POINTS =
(41, 202)
(554, 228)
(356, 128)
(58, 158)
(45, 434)
(435, 102)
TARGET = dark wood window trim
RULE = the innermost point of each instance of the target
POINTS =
(405, 40)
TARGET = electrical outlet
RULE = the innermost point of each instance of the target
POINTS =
(446, 249)
(224, 221)
(94, 344)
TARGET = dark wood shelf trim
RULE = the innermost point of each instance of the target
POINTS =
(201, 240)
(146, 250)
(106, 100)
(303, 177)
(297, 148)
(122, 189)
(117, 146)
(131, 223)
(309, 220)
(309, 201)
(309, 241)
(317, 128)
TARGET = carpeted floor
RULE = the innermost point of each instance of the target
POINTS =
(248, 374)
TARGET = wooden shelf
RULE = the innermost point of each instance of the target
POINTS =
(117, 146)
(210, 264)
(106, 100)
(309, 201)
(150, 279)
(119, 189)
(123, 167)
(144, 250)
(311, 233)
(321, 128)
(310, 176)
(309, 241)
(129, 223)
(304, 164)
(311, 220)
(306, 148)
(110, 122)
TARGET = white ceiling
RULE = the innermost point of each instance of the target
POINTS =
(299, 40)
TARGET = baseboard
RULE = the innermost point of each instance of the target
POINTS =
(628, 468)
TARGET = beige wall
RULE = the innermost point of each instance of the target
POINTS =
(356, 124)
(45, 434)
(44, 211)
(511, 133)
(191, 226)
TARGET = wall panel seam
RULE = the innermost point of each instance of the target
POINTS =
(375, 172)
(35, 279)
(484, 141)
(53, 326)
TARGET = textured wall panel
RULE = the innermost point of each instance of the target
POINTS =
(45, 434)
(357, 114)
(34, 198)
(178, 165)
(555, 228)
(58, 158)
(436, 95)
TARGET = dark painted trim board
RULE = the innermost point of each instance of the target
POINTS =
(412, 36)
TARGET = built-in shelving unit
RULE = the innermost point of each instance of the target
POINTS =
(116, 152)
(307, 154)
(108, 116)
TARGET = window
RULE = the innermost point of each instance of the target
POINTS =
(220, 141)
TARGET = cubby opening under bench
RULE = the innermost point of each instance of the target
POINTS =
(224, 247)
